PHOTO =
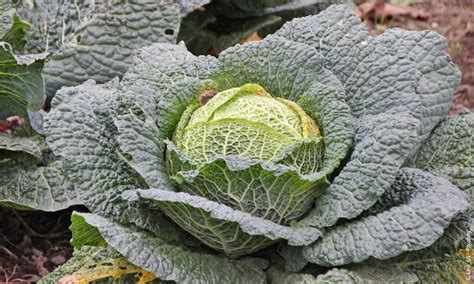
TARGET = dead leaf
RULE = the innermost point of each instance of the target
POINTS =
(385, 10)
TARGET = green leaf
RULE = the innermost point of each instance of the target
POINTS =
(367, 274)
(16, 36)
(221, 227)
(371, 171)
(30, 145)
(411, 216)
(163, 80)
(21, 84)
(410, 68)
(101, 133)
(90, 40)
(271, 191)
(449, 151)
(439, 75)
(84, 234)
(174, 263)
(90, 154)
(34, 187)
(294, 72)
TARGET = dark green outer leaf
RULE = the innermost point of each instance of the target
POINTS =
(222, 227)
(96, 40)
(423, 206)
(449, 151)
(379, 81)
(169, 262)
(160, 74)
(33, 187)
(80, 129)
(30, 145)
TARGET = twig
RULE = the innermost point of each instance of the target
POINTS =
(11, 254)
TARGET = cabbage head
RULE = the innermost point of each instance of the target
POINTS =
(317, 147)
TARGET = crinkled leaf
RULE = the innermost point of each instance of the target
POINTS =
(411, 216)
(21, 84)
(169, 262)
(7, 10)
(221, 227)
(271, 191)
(449, 151)
(440, 77)
(276, 276)
(163, 80)
(80, 129)
(30, 145)
(295, 72)
(46, 188)
(381, 145)
(96, 40)
(90, 264)
(367, 274)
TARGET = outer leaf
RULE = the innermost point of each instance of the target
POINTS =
(84, 234)
(376, 158)
(96, 40)
(173, 263)
(449, 151)
(377, 79)
(222, 227)
(100, 124)
(368, 274)
(30, 145)
(187, 6)
(91, 264)
(411, 68)
(440, 77)
(91, 158)
(21, 84)
(163, 80)
(45, 188)
(423, 206)
(152, 83)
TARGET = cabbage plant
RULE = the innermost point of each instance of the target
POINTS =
(306, 156)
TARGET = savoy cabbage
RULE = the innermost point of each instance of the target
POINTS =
(318, 154)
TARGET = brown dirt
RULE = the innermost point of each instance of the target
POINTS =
(454, 19)
(32, 244)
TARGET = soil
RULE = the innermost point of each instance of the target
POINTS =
(34, 243)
